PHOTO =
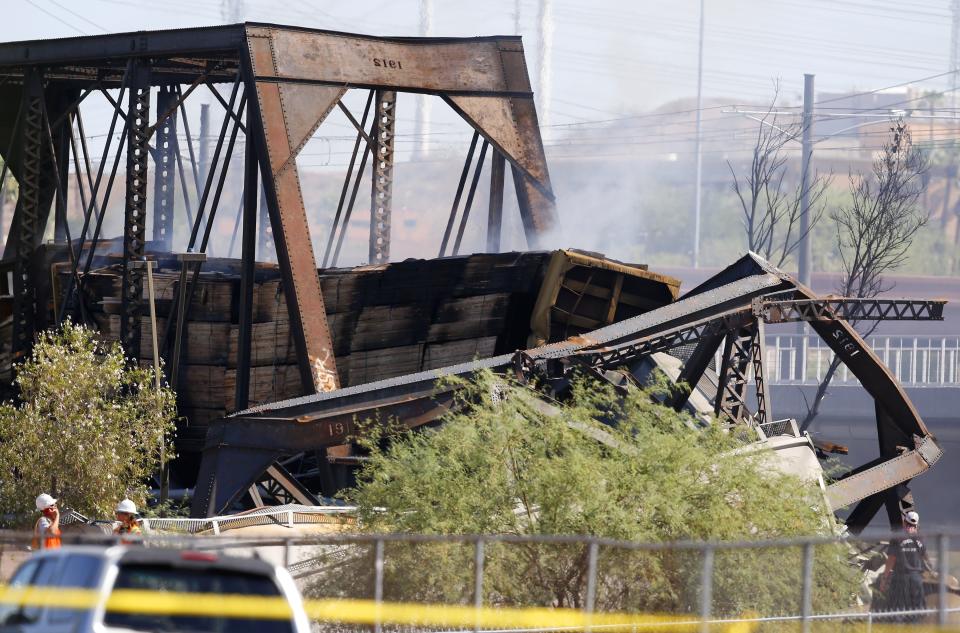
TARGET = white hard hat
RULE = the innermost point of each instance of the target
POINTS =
(127, 506)
(912, 518)
(45, 501)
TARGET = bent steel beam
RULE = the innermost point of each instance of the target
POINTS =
(288, 114)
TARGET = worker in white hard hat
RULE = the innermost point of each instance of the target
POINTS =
(902, 580)
(46, 531)
(127, 519)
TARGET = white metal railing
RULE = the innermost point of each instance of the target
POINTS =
(288, 515)
(916, 361)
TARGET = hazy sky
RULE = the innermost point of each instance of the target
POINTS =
(609, 57)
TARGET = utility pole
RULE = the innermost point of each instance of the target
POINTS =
(954, 54)
(422, 122)
(545, 42)
(698, 149)
(232, 11)
(806, 160)
(204, 158)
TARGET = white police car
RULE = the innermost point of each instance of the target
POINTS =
(104, 571)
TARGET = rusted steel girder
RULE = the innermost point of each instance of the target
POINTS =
(381, 194)
(165, 159)
(738, 352)
(849, 309)
(30, 223)
(288, 114)
(483, 79)
(299, 76)
(758, 360)
(135, 216)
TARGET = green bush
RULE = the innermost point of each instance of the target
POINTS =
(88, 428)
(503, 463)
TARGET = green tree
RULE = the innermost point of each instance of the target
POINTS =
(503, 462)
(88, 428)
(875, 229)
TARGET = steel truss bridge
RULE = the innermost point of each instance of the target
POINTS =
(276, 85)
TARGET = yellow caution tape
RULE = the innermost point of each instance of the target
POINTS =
(149, 602)
(345, 611)
(368, 612)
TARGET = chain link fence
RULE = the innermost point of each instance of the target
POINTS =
(786, 585)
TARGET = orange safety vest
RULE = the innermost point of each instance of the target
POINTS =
(52, 541)
(123, 530)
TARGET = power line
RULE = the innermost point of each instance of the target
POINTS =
(876, 90)
(75, 14)
(57, 18)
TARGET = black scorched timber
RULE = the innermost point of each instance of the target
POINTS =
(386, 320)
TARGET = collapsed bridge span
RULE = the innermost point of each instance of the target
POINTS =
(729, 310)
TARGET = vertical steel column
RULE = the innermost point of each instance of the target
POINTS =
(165, 160)
(30, 225)
(806, 601)
(381, 200)
(943, 570)
(706, 589)
(478, 568)
(251, 194)
(134, 230)
(495, 214)
(758, 359)
(591, 598)
(737, 354)
(378, 584)
(61, 145)
(288, 217)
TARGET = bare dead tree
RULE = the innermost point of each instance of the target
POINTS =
(876, 229)
(770, 205)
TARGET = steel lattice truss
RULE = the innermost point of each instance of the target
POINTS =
(848, 309)
(275, 90)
